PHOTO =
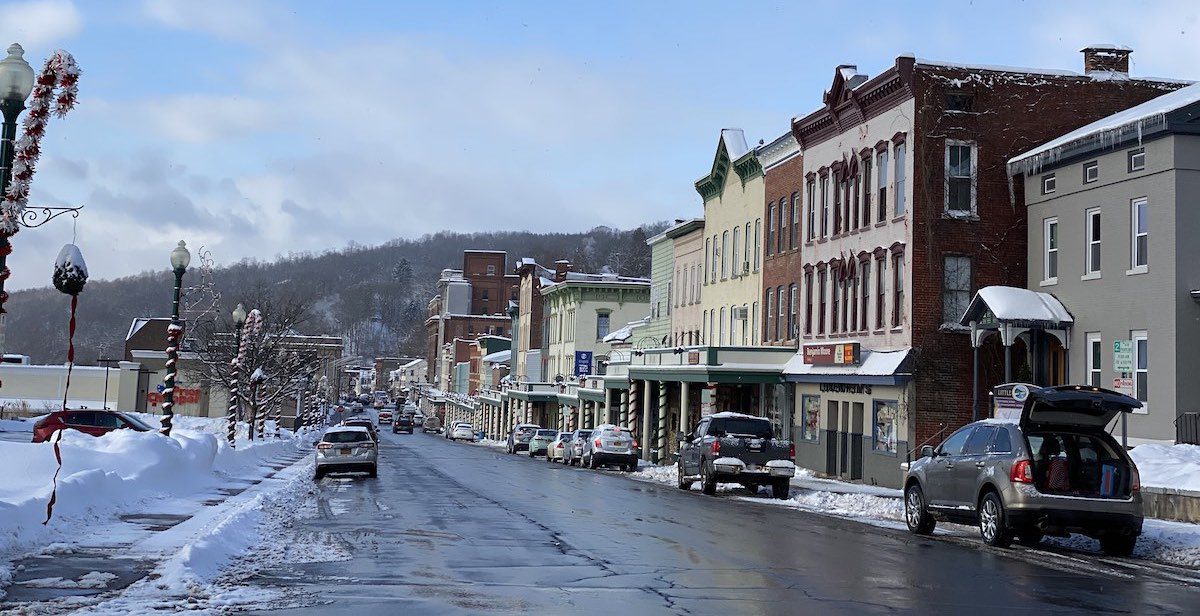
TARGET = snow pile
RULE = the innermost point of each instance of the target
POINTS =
(111, 474)
(16, 425)
(1168, 466)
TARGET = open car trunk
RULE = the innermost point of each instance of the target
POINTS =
(1088, 465)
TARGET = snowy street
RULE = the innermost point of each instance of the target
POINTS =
(453, 528)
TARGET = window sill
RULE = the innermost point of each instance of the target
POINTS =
(1090, 276)
(898, 329)
(822, 240)
(880, 224)
(957, 215)
(854, 232)
(900, 218)
(1137, 270)
(1049, 282)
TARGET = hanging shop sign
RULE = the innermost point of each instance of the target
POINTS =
(847, 353)
(693, 358)
(583, 363)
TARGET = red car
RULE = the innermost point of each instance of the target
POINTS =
(95, 423)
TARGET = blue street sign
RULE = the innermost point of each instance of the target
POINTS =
(161, 387)
(583, 363)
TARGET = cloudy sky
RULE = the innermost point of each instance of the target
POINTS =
(262, 128)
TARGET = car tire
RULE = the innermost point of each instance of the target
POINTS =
(781, 489)
(708, 483)
(993, 522)
(681, 481)
(916, 514)
(1118, 545)
(630, 468)
(591, 463)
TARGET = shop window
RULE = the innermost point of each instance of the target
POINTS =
(883, 438)
(810, 418)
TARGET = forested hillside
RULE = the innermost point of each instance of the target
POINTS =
(375, 296)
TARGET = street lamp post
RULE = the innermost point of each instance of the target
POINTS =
(235, 367)
(16, 82)
(323, 393)
(180, 258)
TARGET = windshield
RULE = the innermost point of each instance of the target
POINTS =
(136, 422)
(345, 436)
(746, 426)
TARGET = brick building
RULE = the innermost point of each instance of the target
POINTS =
(908, 204)
(471, 302)
(783, 266)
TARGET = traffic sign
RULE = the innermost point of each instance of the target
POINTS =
(1122, 356)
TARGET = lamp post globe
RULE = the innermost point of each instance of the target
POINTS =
(239, 315)
(16, 76)
(180, 258)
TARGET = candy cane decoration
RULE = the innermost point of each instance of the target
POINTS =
(174, 333)
(60, 73)
(278, 416)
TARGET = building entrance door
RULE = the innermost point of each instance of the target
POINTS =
(831, 438)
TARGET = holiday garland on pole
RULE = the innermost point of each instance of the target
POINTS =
(70, 275)
(59, 74)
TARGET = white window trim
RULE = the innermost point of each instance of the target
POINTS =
(1047, 279)
(1090, 338)
(1049, 184)
(974, 213)
(1133, 153)
(1134, 336)
(1088, 217)
(900, 180)
(1093, 165)
(1133, 235)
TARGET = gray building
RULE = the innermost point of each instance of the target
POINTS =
(1107, 238)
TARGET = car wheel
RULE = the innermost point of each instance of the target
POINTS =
(916, 516)
(1118, 545)
(318, 475)
(592, 463)
(708, 483)
(993, 524)
(682, 482)
(629, 468)
(781, 489)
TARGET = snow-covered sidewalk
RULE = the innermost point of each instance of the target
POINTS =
(185, 502)
(1173, 543)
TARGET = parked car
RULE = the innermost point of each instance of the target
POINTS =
(609, 445)
(539, 444)
(462, 431)
(364, 423)
(518, 438)
(418, 420)
(1054, 471)
(402, 424)
(95, 423)
(574, 449)
(347, 449)
(558, 447)
(431, 424)
(735, 448)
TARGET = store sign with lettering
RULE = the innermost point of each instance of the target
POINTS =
(183, 395)
(846, 388)
(832, 354)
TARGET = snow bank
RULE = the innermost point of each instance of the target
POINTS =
(108, 475)
(1168, 466)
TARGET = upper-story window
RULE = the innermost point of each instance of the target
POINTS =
(1049, 183)
(602, 324)
(783, 225)
(746, 246)
(821, 277)
(880, 290)
(808, 303)
(1091, 266)
(824, 206)
(769, 301)
(956, 288)
(900, 198)
(1137, 159)
(855, 198)
(793, 308)
(837, 204)
(882, 168)
(811, 189)
(757, 236)
(737, 264)
(724, 255)
(960, 177)
(866, 191)
(771, 229)
(1050, 256)
(794, 234)
(1091, 172)
(707, 251)
(1140, 228)
(715, 250)
(960, 101)
(898, 290)
(865, 274)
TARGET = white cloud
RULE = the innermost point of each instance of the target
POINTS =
(226, 19)
(37, 23)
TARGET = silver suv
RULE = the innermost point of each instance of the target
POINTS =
(1053, 471)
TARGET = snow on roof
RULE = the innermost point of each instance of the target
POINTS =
(731, 414)
(498, 357)
(1000, 68)
(1015, 304)
(735, 142)
(1107, 46)
(625, 333)
(1112, 128)
(873, 363)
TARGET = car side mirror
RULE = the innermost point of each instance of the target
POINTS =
(682, 438)
(927, 451)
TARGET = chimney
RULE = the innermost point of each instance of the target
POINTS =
(1106, 59)
(561, 267)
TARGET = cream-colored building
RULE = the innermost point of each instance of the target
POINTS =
(584, 308)
(686, 324)
(733, 196)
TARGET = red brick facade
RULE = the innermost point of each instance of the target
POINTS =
(784, 184)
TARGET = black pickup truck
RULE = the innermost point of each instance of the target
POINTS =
(735, 448)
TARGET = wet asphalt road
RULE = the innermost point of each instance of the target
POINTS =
(450, 528)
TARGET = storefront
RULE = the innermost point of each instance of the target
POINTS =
(852, 411)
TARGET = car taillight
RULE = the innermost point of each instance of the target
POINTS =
(558, 446)
(597, 442)
(792, 451)
(1021, 472)
(716, 447)
(324, 445)
(1137, 481)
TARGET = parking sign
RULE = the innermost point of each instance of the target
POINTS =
(1122, 356)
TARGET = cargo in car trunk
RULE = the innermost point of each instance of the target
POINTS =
(1087, 465)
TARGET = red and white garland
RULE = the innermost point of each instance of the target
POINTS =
(61, 74)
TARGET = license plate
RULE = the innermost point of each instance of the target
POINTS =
(345, 451)
(751, 467)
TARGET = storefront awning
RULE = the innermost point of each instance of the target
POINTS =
(875, 368)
